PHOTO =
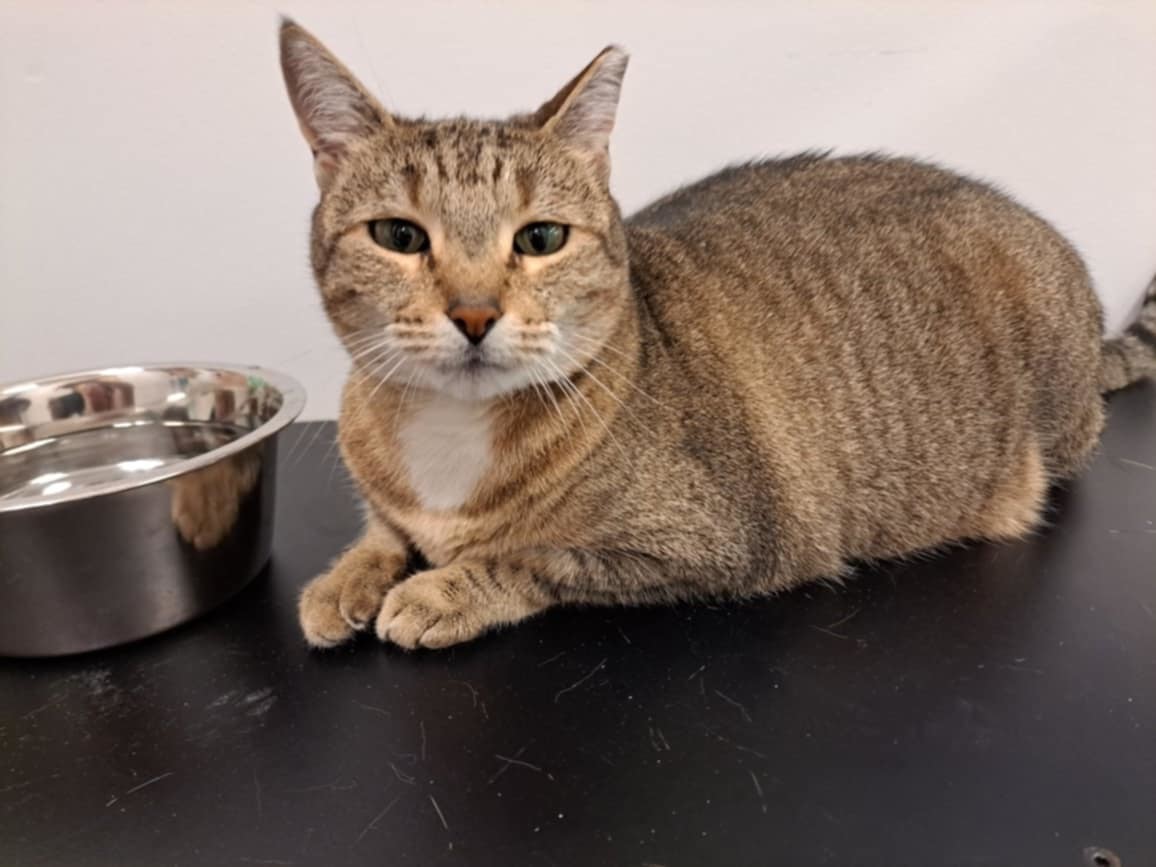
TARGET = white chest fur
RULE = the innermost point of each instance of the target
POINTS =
(446, 447)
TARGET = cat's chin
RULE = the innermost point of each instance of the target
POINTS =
(477, 382)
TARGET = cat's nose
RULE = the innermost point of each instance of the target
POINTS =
(475, 321)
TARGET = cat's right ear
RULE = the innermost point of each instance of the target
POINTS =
(333, 108)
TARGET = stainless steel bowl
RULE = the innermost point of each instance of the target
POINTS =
(133, 499)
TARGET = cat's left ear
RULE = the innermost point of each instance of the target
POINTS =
(333, 108)
(582, 113)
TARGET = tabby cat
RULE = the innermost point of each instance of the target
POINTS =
(762, 377)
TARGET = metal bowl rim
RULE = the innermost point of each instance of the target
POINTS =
(292, 402)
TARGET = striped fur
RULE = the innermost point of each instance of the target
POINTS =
(1132, 356)
(763, 377)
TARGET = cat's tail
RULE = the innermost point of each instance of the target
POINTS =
(1132, 356)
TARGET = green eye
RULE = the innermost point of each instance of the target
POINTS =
(401, 236)
(541, 239)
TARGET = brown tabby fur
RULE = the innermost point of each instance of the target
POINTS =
(786, 367)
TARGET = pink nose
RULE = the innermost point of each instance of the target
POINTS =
(474, 320)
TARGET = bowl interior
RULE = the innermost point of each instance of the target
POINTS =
(78, 435)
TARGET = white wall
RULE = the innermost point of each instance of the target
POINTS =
(154, 191)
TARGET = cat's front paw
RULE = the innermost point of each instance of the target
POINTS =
(453, 604)
(345, 599)
(426, 612)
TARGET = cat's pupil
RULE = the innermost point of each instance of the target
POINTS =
(401, 236)
(540, 239)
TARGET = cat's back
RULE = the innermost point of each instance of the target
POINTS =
(889, 329)
(813, 237)
(812, 189)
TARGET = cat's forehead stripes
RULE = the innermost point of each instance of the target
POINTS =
(464, 153)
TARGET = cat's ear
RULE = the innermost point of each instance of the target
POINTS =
(582, 112)
(333, 108)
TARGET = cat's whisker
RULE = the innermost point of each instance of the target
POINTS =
(553, 400)
(539, 382)
(354, 344)
(593, 378)
(594, 358)
(385, 378)
(405, 393)
(312, 443)
(601, 344)
(553, 375)
(370, 359)
(577, 392)
(385, 370)
(534, 383)
(369, 350)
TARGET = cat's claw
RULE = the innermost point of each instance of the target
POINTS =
(320, 615)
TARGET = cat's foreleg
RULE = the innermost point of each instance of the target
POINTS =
(460, 601)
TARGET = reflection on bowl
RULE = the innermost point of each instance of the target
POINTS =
(132, 499)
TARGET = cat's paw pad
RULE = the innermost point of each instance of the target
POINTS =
(425, 612)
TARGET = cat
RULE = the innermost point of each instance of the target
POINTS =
(759, 379)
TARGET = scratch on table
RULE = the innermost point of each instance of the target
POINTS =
(257, 792)
(1140, 464)
(44, 707)
(146, 783)
(553, 658)
(758, 789)
(373, 708)
(658, 740)
(625, 637)
(508, 763)
(511, 760)
(827, 631)
(580, 680)
(335, 786)
(843, 620)
(438, 810)
(737, 746)
(734, 703)
(401, 776)
(421, 728)
(373, 822)
(697, 671)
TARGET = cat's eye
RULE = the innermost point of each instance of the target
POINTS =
(401, 236)
(541, 239)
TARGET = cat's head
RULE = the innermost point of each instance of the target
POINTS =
(474, 258)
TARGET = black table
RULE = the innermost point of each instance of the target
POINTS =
(992, 705)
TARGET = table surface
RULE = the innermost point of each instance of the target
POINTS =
(992, 705)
